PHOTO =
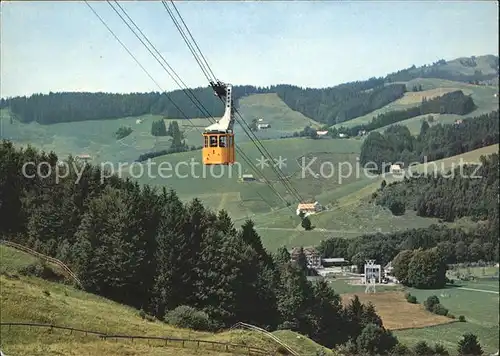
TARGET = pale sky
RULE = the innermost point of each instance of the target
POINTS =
(61, 46)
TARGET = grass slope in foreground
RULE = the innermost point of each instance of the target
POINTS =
(29, 299)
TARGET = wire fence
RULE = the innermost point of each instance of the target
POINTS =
(46, 258)
(239, 349)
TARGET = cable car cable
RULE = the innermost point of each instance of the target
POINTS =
(263, 151)
(202, 107)
(284, 179)
(168, 97)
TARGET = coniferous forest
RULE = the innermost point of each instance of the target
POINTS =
(149, 250)
(450, 103)
(435, 142)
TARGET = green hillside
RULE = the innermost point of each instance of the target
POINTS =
(483, 69)
(245, 199)
(34, 300)
(483, 97)
(96, 137)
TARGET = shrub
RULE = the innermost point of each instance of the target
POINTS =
(397, 207)
(430, 302)
(40, 269)
(440, 350)
(46, 292)
(439, 309)
(142, 314)
(188, 317)
(461, 319)
(422, 349)
(411, 299)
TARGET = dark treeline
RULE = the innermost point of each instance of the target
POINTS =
(340, 103)
(470, 190)
(397, 145)
(178, 144)
(450, 103)
(433, 196)
(330, 106)
(74, 106)
(455, 245)
(151, 251)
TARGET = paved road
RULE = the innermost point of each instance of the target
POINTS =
(479, 290)
(321, 230)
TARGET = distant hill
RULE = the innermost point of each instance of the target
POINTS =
(328, 106)
(474, 70)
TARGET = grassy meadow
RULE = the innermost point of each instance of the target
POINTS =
(476, 300)
(483, 97)
(29, 299)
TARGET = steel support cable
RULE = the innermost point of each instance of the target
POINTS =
(281, 177)
(279, 174)
(189, 32)
(204, 70)
(168, 97)
(193, 98)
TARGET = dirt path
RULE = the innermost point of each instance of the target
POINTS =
(479, 290)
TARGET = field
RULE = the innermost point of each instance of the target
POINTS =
(194, 180)
(483, 96)
(446, 164)
(27, 299)
(480, 309)
(96, 137)
(477, 301)
(407, 316)
(272, 110)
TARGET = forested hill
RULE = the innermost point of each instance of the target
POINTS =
(326, 105)
(80, 106)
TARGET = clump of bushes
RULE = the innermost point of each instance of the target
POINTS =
(411, 298)
(433, 305)
(461, 319)
(190, 318)
(40, 269)
(145, 316)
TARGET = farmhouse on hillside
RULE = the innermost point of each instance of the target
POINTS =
(83, 157)
(263, 126)
(322, 133)
(396, 168)
(308, 208)
(247, 178)
(312, 255)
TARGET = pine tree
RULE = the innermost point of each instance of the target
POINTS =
(469, 345)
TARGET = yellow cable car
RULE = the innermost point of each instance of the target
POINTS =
(218, 146)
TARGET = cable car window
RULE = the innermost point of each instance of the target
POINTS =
(206, 141)
(213, 141)
(222, 141)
